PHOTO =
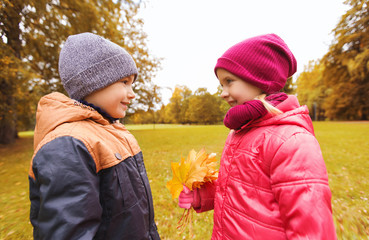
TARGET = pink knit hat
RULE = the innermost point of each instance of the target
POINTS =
(264, 61)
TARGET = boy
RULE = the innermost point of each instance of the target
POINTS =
(87, 176)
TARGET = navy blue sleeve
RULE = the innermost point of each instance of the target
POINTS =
(65, 192)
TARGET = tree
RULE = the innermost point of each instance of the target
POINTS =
(186, 95)
(347, 65)
(178, 104)
(204, 108)
(8, 74)
(223, 105)
(289, 87)
(32, 32)
(311, 90)
(149, 98)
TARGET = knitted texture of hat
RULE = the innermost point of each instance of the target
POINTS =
(89, 62)
(264, 61)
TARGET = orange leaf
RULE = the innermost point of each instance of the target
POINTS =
(193, 172)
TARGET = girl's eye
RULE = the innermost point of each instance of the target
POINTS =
(229, 81)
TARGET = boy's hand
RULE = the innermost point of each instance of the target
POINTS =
(185, 198)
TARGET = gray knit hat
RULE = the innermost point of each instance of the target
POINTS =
(88, 62)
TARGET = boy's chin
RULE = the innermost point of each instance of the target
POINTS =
(119, 115)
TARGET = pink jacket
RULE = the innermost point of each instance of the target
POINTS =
(273, 183)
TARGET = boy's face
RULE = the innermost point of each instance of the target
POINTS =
(115, 98)
(235, 90)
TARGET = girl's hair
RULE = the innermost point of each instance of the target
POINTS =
(269, 107)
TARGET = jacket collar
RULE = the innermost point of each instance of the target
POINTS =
(293, 114)
(55, 109)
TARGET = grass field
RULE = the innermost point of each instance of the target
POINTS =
(345, 147)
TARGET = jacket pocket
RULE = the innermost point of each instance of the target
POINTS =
(131, 187)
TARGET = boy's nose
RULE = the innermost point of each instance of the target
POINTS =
(131, 94)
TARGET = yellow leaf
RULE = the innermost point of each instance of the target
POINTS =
(180, 171)
(193, 172)
(198, 170)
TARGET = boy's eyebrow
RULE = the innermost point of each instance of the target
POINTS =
(127, 78)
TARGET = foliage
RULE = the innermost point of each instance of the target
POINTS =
(32, 32)
(185, 107)
(345, 149)
(311, 90)
(289, 87)
(337, 85)
(192, 172)
(8, 74)
(201, 107)
(346, 72)
(178, 105)
(204, 108)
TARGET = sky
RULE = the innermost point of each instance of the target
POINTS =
(190, 35)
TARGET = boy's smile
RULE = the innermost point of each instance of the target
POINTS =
(115, 98)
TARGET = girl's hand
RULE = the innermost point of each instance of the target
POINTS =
(185, 198)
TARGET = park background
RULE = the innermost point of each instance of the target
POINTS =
(178, 108)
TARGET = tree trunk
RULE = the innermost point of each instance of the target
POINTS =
(8, 120)
(8, 132)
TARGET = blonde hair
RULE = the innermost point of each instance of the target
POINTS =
(269, 107)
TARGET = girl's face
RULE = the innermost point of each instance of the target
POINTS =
(114, 99)
(235, 90)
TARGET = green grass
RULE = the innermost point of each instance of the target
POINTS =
(14, 201)
(345, 148)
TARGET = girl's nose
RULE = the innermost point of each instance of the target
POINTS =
(224, 94)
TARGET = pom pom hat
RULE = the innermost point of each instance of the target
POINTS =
(88, 63)
(264, 61)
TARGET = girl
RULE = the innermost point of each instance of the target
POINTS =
(273, 183)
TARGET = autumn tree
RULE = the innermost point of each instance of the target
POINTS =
(177, 106)
(186, 94)
(223, 105)
(144, 112)
(187, 107)
(32, 32)
(203, 108)
(311, 90)
(346, 72)
(289, 87)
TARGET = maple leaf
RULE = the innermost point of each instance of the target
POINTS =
(180, 172)
(192, 172)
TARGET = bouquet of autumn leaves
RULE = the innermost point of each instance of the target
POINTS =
(192, 172)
